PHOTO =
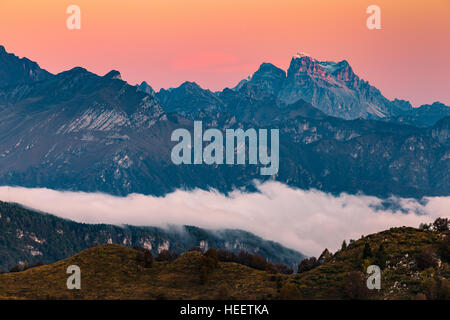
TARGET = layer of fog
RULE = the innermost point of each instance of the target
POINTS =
(307, 221)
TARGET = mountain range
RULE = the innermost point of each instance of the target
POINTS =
(80, 131)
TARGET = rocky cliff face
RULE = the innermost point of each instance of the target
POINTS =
(333, 88)
(145, 87)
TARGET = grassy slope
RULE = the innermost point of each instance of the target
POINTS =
(400, 278)
(110, 272)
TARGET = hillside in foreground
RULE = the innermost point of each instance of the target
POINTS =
(414, 263)
(111, 272)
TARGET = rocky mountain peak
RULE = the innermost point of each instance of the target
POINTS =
(304, 64)
(113, 74)
(145, 87)
(269, 72)
(267, 80)
(342, 71)
(301, 55)
(402, 104)
(268, 69)
(189, 85)
(74, 75)
(78, 70)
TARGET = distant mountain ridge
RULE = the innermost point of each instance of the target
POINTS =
(80, 131)
(424, 116)
(332, 87)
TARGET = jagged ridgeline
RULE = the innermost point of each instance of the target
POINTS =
(29, 236)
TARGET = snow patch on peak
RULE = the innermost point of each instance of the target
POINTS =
(299, 55)
(329, 66)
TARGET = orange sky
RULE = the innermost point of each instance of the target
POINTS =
(218, 42)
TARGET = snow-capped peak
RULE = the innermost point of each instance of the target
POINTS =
(302, 54)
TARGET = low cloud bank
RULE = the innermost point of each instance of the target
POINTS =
(307, 221)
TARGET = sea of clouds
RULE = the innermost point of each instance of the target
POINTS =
(307, 221)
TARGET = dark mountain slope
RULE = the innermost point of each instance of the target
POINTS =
(28, 236)
(15, 70)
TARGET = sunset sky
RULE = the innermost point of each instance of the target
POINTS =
(218, 42)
